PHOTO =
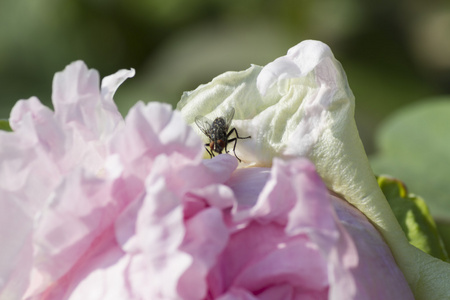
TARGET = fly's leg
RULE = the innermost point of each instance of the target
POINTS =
(237, 135)
(235, 141)
(211, 154)
(234, 147)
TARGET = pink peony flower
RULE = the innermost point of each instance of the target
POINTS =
(96, 207)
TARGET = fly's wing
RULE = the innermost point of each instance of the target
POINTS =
(228, 116)
(204, 124)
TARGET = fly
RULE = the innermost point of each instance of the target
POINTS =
(218, 134)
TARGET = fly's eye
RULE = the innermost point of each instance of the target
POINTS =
(221, 143)
(211, 145)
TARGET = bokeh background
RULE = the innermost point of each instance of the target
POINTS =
(394, 52)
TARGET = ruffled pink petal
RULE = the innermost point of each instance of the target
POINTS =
(79, 103)
(206, 237)
(261, 256)
(28, 167)
(352, 256)
(151, 130)
(16, 247)
(311, 213)
(159, 232)
(103, 277)
(266, 253)
(45, 145)
(103, 264)
(35, 122)
(177, 252)
(247, 184)
(78, 215)
(216, 195)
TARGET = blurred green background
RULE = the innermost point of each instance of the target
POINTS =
(394, 52)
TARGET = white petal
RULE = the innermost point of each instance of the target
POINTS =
(112, 82)
(301, 105)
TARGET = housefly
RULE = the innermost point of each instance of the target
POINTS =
(218, 134)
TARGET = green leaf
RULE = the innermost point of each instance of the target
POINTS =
(4, 125)
(414, 145)
(414, 217)
(444, 231)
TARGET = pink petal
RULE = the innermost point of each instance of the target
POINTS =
(79, 104)
(376, 260)
(28, 155)
(151, 130)
(205, 239)
(261, 256)
(16, 247)
(80, 213)
(247, 184)
(237, 294)
(159, 233)
(102, 278)
(111, 83)
(216, 195)
(104, 263)
(296, 204)
(350, 253)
